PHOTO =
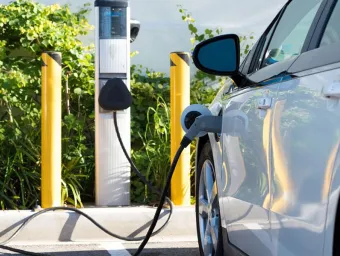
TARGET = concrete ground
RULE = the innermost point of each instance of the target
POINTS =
(66, 233)
(67, 226)
(175, 248)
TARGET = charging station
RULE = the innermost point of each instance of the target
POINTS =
(112, 39)
(115, 31)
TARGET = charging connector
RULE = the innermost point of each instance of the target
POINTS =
(210, 124)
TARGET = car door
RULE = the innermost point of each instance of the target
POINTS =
(245, 140)
(246, 150)
(247, 130)
(305, 142)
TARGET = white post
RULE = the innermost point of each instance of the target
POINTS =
(112, 61)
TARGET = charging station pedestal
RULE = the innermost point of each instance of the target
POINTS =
(112, 60)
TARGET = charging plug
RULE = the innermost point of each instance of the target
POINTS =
(208, 124)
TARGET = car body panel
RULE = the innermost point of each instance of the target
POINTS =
(332, 207)
(305, 140)
(246, 194)
(293, 227)
(215, 107)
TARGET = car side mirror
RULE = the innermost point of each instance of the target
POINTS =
(218, 55)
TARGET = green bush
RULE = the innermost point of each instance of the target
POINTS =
(27, 29)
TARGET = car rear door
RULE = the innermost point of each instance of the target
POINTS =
(305, 142)
(247, 130)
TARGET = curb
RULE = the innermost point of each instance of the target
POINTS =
(68, 226)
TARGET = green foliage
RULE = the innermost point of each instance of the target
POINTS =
(146, 88)
(27, 29)
(150, 130)
(197, 36)
(154, 156)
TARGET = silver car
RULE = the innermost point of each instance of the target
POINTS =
(269, 183)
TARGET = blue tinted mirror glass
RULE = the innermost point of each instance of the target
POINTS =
(220, 55)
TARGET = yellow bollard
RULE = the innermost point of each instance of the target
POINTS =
(51, 130)
(179, 100)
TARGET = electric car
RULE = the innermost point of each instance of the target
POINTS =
(269, 183)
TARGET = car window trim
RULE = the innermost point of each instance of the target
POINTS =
(244, 62)
(321, 25)
(254, 76)
(310, 31)
(267, 73)
(250, 55)
(271, 71)
(312, 28)
(254, 62)
(316, 58)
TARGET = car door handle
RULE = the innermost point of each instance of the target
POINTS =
(332, 90)
(264, 103)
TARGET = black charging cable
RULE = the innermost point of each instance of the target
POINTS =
(144, 239)
(150, 233)
(139, 174)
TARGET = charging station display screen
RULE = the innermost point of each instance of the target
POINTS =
(112, 23)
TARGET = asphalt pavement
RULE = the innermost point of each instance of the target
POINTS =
(168, 248)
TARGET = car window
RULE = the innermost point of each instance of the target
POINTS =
(332, 31)
(291, 31)
(268, 36)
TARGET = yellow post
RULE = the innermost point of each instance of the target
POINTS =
(51, 130)
(179, 100)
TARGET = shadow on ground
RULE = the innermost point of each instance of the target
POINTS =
(146, 252)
